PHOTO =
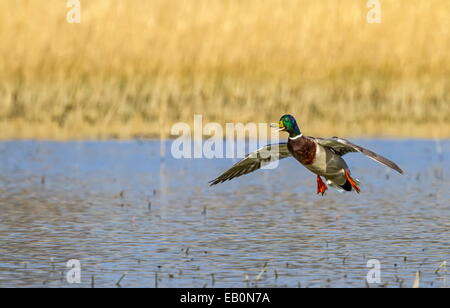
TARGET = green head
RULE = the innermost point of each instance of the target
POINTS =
(287, 123)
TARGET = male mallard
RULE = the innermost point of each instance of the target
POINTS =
(321, 156)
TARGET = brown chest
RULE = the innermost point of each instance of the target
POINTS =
(303, 149)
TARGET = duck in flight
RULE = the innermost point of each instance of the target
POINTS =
(321, 156)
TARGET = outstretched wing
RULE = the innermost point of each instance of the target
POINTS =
(342, 146)
(254, 161)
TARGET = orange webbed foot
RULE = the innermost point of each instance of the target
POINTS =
(352, 181)
(321, 186)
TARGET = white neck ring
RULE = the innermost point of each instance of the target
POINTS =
(296, 137)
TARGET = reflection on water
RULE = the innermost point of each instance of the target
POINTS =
(118, 208)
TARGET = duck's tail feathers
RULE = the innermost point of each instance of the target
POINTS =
(335, 186)
(347, 186)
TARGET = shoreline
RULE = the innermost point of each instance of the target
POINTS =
(140, 130)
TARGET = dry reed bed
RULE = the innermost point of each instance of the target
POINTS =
(133, 68)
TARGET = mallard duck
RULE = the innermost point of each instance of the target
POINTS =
(321, 156)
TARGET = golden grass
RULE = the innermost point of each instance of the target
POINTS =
(136, 67)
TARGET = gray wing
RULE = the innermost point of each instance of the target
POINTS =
(254, 161)
(342, 146)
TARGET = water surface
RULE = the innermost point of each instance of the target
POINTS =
(119, 208)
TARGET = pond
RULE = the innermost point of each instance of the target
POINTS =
(128, 214)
